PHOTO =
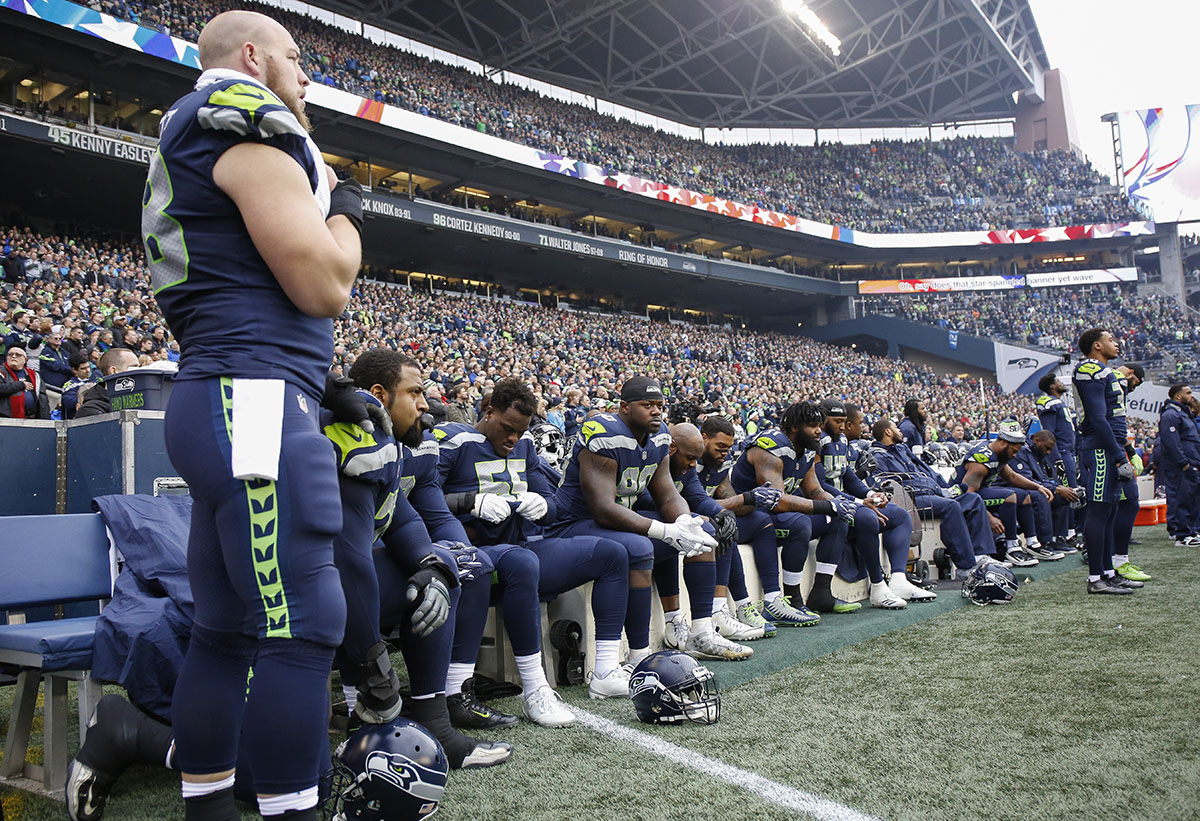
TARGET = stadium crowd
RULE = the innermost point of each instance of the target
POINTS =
(94, 289)
(87, 293)
(886, 186)
(1151, 327)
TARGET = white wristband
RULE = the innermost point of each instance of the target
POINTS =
(657, 529)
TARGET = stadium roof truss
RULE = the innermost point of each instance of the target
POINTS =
(749, 63)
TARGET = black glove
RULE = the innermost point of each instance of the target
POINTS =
(347, 404)
(346, 199)
(725, 523)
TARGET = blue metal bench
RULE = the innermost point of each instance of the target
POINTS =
(64, 563)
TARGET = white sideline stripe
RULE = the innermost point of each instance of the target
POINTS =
(776, 793)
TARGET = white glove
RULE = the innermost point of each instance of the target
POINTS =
(491, 508)
(532, 506)
(686, 534)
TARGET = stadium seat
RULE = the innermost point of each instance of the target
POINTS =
(56, 561)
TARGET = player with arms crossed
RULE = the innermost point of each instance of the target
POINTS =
(252, 250)
(1104, 470)
(615, 458)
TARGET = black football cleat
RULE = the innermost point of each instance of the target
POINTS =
(468, 712)
(1106, 587)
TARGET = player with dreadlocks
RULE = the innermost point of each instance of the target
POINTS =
(786, 458)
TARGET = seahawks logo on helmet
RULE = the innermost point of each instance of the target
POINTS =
(387, 772)
(406, 774)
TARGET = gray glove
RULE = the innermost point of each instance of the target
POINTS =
(1126, 471)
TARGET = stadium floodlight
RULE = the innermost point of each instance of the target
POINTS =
(800, 10)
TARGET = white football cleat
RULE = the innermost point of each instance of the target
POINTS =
(908, 591)
(732, 629)
(712, 645)
(883, 597)
(545, 707)
(675, 632)
(613, 685)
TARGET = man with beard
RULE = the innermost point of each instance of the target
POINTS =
(876, 519)
(913, 425)
(253, 248)
(966, 526)
(984, 469)
(1104, 469)
(786, 458)
(754, 527)
(1056, 417)
(615, 458)
(700, 637)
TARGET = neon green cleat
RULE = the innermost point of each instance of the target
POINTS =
(1132, 572)
(842, 606)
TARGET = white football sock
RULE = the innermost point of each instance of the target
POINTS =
(740, 602)
(1120, 560)
(608, 655)
(533, 675)
(702, 625)
(668, 615)
(351, 694)
(273, 805)
(195, 789)
(774, 595)
(721, 605)
(456, 674)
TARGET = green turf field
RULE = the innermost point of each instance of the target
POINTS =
(1059, 705)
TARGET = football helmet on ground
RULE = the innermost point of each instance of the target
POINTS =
(990, 583)
(388, 772)
(669, 687)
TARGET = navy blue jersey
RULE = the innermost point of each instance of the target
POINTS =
(373, 460)
(981, 454)
(606, 435)
(837, 461)
(1100, 408)
(744, 477)
(467, 463)
(223, 303)
(713, 476)
(914, 437)
(1057, 418)
(419, 486)
(1034, 466)
(1119, 421)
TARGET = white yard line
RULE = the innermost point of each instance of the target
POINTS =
(784, 796)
